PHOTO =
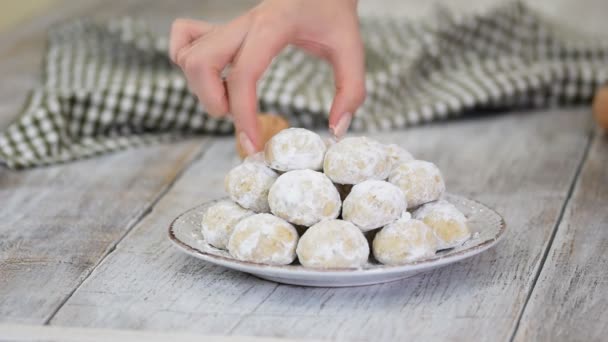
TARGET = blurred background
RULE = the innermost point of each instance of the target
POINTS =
(587, 15)
(23, 21)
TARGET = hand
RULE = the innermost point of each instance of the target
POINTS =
(325, 28)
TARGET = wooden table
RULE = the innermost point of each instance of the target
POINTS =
(83, 246)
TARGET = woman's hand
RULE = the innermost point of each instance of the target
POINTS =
(326, 28)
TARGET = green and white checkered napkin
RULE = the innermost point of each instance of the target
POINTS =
(111, 86)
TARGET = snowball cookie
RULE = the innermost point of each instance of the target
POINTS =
(404, 240)
(448, 223)
(248, 185)
(373, 203)
(269, 124)
(304, 197)
(295, 149)
(420, 181)
(219, 221)
(398, 154)
(264, 239)
(333, 244)
(353, 160)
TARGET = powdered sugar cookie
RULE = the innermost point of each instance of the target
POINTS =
(264, 239)
(248, 185)
(304, 197)
(354, 160)
(333, 244)
(448, 223)
(398, 154)
(295, 149)
(269, 125)
(404, 240)
(219, 221)
(373, 203)
(420, 181)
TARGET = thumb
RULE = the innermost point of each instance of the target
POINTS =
(348, 63)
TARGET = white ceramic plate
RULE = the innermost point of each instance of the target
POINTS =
(486, 225)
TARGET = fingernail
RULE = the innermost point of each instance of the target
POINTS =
(341, 127)
(246, 144)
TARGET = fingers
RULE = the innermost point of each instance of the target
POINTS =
(348, 62)
(203, 72)
(256, 54)
(248, 45)
(205, 59)
(183, 33)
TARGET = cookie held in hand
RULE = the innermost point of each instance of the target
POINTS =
(269, 124)
(600, 107)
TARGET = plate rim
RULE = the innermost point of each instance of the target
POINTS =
(252, 267)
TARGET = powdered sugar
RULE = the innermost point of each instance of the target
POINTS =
(304, 197)
(264, 238)
(248, 185)
(295, 149)
(333, 244)
(219, 221)
(448, 223)
(398, 154)
(440, 209)
(403, 241)
(356, 159)
(377, 183)
(373, 203)
(420, 181)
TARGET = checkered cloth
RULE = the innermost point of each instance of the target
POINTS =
(111, 86)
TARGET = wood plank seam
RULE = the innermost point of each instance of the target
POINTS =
(573, 185)
(484, 294)
(205, 145)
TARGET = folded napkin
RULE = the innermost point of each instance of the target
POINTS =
(110, 86)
